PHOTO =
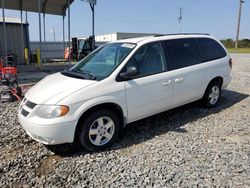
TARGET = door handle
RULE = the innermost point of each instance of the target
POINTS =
(180, 79)
(166, 83)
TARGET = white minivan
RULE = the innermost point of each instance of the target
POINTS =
(122, 82)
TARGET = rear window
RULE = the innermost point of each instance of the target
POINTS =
(210, 49)
(182, 53)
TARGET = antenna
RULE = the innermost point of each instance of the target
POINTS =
(180, 19)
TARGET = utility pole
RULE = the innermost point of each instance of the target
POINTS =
(180, 19)
(54, 33)
(238, 25)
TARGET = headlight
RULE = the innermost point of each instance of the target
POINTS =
(47, 111)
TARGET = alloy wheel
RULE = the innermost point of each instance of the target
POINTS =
(101, 131)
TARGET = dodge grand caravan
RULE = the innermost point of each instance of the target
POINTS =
(122, 82)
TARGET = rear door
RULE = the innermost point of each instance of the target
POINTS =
(184, 64)
(152, 90)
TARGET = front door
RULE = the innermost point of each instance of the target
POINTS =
(152, 90)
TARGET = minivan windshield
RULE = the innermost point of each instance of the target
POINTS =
(103, 61)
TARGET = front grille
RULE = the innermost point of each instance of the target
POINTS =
(30, 104)
(24, 112)
(26, 107)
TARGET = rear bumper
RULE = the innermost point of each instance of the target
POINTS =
(50, 134)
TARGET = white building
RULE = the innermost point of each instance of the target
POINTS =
(120, 35)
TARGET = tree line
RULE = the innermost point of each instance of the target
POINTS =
(230, 43)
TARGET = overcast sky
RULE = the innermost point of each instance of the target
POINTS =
(217, 17)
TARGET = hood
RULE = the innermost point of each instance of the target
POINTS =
(55, 87)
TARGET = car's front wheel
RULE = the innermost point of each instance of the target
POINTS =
(99, 130)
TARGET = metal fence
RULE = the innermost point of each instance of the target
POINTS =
(49, 50)
(14, 42)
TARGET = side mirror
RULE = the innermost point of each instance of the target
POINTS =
(130, 72)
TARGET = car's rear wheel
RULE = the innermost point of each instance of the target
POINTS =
(99, 130)
(212, 94)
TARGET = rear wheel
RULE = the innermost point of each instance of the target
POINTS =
(99, 130)
(212, 94)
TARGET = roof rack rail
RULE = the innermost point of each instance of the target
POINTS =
(161, 35)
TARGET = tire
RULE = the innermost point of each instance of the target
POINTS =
(99, 130)
(212, 94)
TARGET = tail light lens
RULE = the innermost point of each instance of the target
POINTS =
(231, 63)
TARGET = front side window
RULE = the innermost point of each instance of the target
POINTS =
(148, 60)
(182, 53)
(102, 62)
(210, 49)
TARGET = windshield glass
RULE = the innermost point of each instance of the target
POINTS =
(102, 62)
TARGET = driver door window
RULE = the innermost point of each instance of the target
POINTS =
(149, 59)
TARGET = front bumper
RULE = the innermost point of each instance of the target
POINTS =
(49, 134)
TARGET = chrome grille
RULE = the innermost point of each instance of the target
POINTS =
(24, 112)
(26, 107)
(30, 104)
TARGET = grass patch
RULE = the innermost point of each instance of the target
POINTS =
(239, 50)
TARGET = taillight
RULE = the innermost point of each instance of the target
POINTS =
(231, 63)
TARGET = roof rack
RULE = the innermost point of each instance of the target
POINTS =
(161, 35)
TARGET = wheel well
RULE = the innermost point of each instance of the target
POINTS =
(110, 106)
(218, 78)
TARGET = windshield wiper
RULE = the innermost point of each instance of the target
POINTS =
(78, 70)
(73, 74)
(89, 74)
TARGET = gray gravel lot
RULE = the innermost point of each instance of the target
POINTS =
(186, 147)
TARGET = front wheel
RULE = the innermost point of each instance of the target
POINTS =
(212, 94)
(99, 130)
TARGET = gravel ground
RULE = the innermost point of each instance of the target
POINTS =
(186, 147)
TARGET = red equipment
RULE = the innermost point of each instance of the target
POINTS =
(9, 91)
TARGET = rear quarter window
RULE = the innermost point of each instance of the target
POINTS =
(210, 49)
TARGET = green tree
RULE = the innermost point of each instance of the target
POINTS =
(229, 43)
